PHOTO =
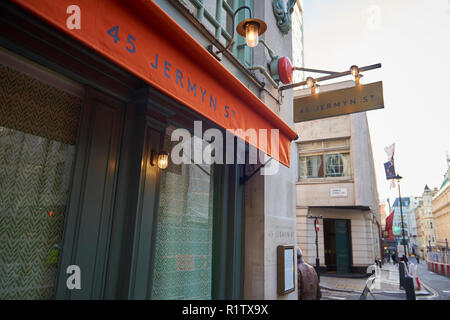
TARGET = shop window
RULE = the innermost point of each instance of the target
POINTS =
(325, 159)
(183, 253)
(38, 132)
(216, 16)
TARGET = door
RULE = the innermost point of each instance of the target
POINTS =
(343, 257)
(329, 244)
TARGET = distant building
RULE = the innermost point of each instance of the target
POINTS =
(441, 210)
(383, 215)
(425, 222)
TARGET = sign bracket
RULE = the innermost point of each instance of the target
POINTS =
(333, 75)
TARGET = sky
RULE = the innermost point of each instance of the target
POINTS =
(411, 39)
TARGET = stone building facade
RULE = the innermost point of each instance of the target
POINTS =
(441, 210)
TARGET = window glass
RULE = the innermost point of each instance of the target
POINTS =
(183, 257)
(337, 165)
(325, 165)
(311, 167)
(38, 131)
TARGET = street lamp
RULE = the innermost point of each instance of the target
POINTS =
(316, 229)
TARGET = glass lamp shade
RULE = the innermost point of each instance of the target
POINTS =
(354, 71)
(251, 34)
(251, 29)
(163, 160)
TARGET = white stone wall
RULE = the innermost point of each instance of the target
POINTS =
(297, 42)
(270, 200)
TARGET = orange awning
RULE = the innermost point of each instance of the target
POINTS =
(140, 37)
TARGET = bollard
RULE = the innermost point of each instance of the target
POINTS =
(409, 288)
(401, 274)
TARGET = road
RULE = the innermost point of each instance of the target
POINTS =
(437, 285)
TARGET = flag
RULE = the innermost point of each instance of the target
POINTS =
(390, 150)
(389, 169)
(388, 227)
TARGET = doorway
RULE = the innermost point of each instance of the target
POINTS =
(337, 245)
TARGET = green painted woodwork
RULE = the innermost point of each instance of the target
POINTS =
(342, 231)
(216, 16)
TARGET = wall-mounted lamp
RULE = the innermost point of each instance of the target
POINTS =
(160, 159)
(251, 29)
(354, 70)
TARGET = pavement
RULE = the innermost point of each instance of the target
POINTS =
(387, 282)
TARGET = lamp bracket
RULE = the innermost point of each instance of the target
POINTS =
(331, 76)
(153, 158)
(215, 52)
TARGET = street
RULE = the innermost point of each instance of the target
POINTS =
(437, 285)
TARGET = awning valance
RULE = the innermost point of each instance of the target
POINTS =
(140, 37)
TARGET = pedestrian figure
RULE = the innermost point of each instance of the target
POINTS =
(418, 259)
(308, 282)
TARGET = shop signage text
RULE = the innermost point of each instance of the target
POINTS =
(339, 102)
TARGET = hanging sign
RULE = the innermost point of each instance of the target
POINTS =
(339, 102)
